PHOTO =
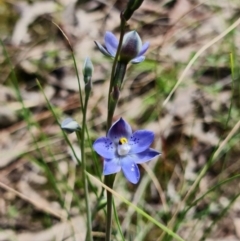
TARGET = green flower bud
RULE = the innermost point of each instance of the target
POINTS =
(102, 203)
(87, 70)
(131, 7)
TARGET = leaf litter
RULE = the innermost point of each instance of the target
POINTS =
(187, 130)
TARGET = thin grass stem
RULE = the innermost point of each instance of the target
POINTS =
(27, 118)
(195, 57)
(137, 209)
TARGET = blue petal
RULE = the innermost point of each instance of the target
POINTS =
(111, 166)
(104, 147)
(111, 43)
(130, 169)
(119, 129)
(102, 49)
(143, 49)
(140, 141)
(138, 60)
(146, 155)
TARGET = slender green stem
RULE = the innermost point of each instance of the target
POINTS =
(117, 83)
(81, 139)
(138, 210)
(109, 179)
(120, 73)
(219, 217)
(132, 6)
(117, 221)
(74, 61)
(232, 65)
(27, 117)
(122, 27)
(195, 202)
(78, 78)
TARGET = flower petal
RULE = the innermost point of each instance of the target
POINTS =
(102, 49)
(118, 130)
(140, 141)
(138, 60)
(131, 46)
(130, 169)
(143, 49)
(111, 43)
(146, 156)
(111, 166)
(104, 147)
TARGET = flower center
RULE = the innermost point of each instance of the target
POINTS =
(122, 141)
(123, 146)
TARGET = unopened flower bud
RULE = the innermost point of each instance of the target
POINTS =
(131, 46)
(87, 70)
(69, 125)
(88, 86)
(131, 7)
(102, 203)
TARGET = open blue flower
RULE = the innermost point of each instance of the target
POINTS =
(122, 149)
(132, 48)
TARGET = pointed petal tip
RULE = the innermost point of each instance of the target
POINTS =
(131, 172)
(146, 156)
(138, 60)
(119, 128)
(143, 49)
(108, 32)
(111, 43)
(102, 49)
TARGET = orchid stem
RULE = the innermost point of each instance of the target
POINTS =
(122, 27)
(109, 179)
(120, 73)
(81, 139)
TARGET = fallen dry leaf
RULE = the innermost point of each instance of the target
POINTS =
(181, 7)
(71, 231)
(28, 13)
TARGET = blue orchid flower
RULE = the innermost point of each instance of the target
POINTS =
(132, 48)
(122, 149)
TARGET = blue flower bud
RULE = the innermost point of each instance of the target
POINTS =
(69, 125)
(131, 46)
